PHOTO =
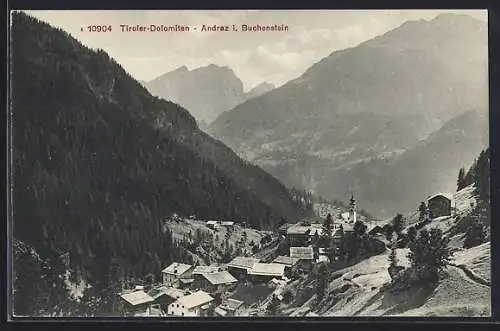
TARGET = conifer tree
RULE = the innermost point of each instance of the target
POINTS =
(475, 234)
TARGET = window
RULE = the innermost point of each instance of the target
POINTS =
(177, 305)
(182, 314)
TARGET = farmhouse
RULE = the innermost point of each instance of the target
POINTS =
(212, 225)
(136, 302)
(228, 224)
(230, 307)
(239, 266)
(439, 205)
(304, 256)
(264, 272)
(218, 282)
(163, 296)
(174, 272)
(298, 235)
(195, 304)
(288, 262)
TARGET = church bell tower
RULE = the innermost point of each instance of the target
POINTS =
(352, 209)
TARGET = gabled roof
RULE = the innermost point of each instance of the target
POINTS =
(243, 262)
(286, 260)
(176, 268)
(267, 269)
(195, 299)
(298, 229)
(231, 304)
(301, 253)
(203, 269)
(174, 293)
(212, 222)
(227, 223)
(137, 298)
(157, 292)
(186, 280)
(219, 311)
(446, 195)
(222, 277)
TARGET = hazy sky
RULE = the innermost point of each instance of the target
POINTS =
(255, 57)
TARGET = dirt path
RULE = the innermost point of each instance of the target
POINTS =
(470, 275)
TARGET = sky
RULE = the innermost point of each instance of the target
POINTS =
(255, 57)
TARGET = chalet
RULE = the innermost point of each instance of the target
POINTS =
(264, 272)
(195, 304)
(304, 256)
(227, 224)
(198, 274)
(212, 225)
(164, 296)
(218, 282)
(298, 235)
(288, 262)
(174, 272)
(240, 265)
(185, 283)
(136, 302)
(230, 308)
(439, 205)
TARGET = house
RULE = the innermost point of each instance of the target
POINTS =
(229, 308)
(264, 272)
(198, 273)
(174, 272)
(164, 296)
(212, 224)
(439, 205)
(228, 224)
(185, 283)
(218, 282)
(304, 255)
(298, 235)
(288, 262)
(195, 304)
(136, 302)
(240, 265)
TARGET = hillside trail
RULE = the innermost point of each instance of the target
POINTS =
(469, 275)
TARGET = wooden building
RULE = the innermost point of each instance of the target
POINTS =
(229, 308)
(137, 302)
(298, 235)
(304, 256)
(174, 272)
(439, 205)
(264, 272)
(218, 282)
(288, 262)
(240, 265)
(164, 296)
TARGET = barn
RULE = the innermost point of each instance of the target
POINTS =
(439, 205)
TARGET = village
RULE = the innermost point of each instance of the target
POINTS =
(247, 284)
